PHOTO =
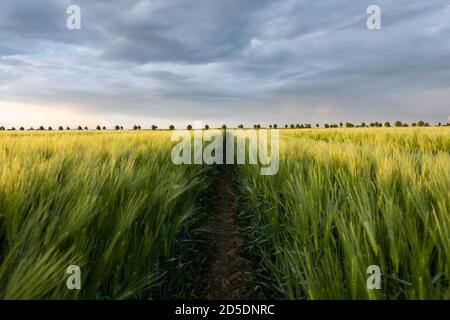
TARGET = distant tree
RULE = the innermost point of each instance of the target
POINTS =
(154, 127)
(291, 126)
(121, 127)
(254, 126)
(171, 127)
(86, 128)
(99, 128)
(270, 126)
(421, 123)
(341, 124)
(308, 125)
(317, 125)
(275, 126)
(21, 128)
(297, 126)
(349, 125)
(241, 126)
(398, 123)
(302, 126)
(31, 129)
(224, 127)
(439, 124)
(80, 128)
(387, 124)
(258, 126)
(189, 127)
(41, 128)
(104, 128)
(60, 128)
(135, 127)
(413, 124)
(68, 128)
(371, 124)
(2, 128)
(206, 127)
(50, 129)
(405, 125)
(326, 125)
(363, 124)
(13, 129)
(426, 124)
(117, 127)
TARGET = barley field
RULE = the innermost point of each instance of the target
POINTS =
(111, 203)
(346, 199)
(139, 227)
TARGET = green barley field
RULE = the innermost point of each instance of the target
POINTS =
(138, 226)
(345, 199)
(111, 203)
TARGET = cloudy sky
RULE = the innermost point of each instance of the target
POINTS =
(223, 61)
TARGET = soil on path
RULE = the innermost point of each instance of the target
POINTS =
(225, 268)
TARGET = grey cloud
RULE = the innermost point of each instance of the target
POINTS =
(229, 59)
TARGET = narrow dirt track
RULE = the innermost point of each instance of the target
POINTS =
(225, 268)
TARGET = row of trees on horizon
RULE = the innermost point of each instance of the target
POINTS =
(386, 124)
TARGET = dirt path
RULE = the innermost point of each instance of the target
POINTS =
(225, 267)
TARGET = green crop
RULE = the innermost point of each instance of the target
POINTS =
(112, 203)
(346, 199)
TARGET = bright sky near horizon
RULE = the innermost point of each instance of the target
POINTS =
(223, 61)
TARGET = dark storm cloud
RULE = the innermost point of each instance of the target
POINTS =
(233, 59)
